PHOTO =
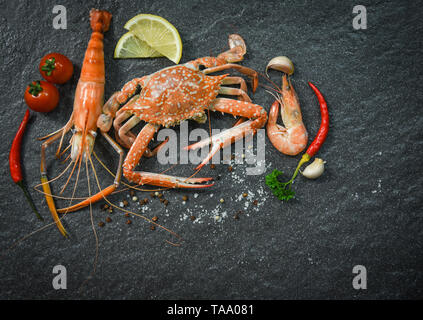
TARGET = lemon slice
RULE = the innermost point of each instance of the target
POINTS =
(130, 46)
(158, 33)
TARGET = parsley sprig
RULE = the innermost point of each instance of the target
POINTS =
(283, 190)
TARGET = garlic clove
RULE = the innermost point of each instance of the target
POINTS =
(281, 63)
(315, 169)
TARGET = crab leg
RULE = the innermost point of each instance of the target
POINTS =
(235, 92)
(236, 52)
(238, 92)
(255, 113)
(151, 153)
(213, 64)
(236, 80)
(123, 134)
(117, 99)
(137, 150)
(226, 60)
(244, 70)
(126, 137)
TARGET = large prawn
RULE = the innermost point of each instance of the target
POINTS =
(292, 138)
(88, 102)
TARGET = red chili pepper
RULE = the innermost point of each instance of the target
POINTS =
(283, 190)
(15, 162)
(324, 124)
(321, 134)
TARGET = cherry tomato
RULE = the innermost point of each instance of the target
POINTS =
(41, 96)
(56, 68)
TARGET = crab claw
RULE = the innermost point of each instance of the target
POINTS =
(220, 140)
(237, 48)
(163, 180)
(215, 147)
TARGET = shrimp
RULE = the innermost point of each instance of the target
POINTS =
(291, 139)
(88, 103)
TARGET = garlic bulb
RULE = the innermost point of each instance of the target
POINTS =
(281, 63)
(315, 169)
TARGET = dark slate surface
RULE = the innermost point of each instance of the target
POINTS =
(366, 209)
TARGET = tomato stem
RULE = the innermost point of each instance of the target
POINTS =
(49, 66)
(35, 88)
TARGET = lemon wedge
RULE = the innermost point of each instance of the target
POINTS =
(158, 33)
(130, 46)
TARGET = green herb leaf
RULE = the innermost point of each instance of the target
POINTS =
(281, 190)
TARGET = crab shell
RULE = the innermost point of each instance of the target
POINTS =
(175, 94)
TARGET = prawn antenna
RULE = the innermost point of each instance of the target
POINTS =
(131, 212)
(270, 81)
(92, 226)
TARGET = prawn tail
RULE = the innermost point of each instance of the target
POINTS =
(100, 20)
(289, 96)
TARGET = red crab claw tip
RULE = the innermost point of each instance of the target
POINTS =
(195, 186)
(200, 180)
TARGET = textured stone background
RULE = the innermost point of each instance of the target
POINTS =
(366, 209)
